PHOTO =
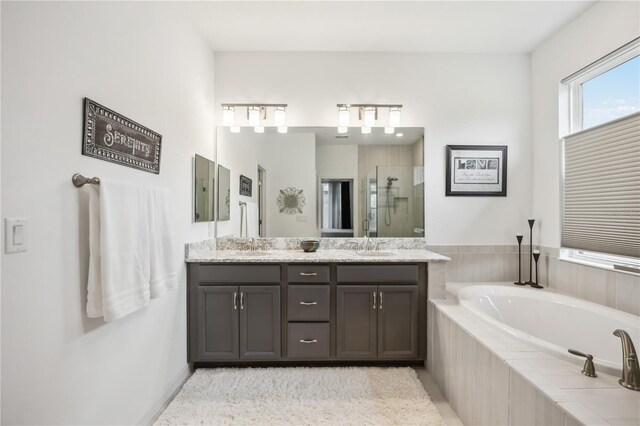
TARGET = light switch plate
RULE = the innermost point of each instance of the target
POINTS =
(15, 234)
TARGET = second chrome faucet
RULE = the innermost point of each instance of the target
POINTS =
(630, 368)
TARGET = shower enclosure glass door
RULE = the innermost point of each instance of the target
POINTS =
(394, 202)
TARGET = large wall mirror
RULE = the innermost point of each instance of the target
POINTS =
(313, 182)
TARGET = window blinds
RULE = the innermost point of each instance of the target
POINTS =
(601, 206)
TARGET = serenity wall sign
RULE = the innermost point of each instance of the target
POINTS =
(113, 137)
(476, 170)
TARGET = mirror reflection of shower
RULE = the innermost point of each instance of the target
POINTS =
(387, 214)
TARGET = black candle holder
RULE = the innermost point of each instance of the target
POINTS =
(535, 284)
(519, 282)
(531, 222)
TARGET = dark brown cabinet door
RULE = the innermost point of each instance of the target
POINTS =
(397, 321)
(218, 323)
(260, 322)
(356, 327)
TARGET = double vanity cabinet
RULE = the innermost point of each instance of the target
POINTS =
(301, 313)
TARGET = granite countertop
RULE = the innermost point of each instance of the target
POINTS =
(320, 256)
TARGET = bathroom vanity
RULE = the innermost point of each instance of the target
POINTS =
(293, 307)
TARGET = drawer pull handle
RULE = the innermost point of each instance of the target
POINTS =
(380, 300)
(374, 300)
(308, 303)
(235, 300)
(241, 300)
(308, 341)
(308, 274)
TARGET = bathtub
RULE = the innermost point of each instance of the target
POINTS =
(553, 323)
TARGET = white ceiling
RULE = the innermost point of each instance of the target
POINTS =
(383, 26)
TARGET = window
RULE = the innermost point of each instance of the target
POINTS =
(601, 163)
(606, 90)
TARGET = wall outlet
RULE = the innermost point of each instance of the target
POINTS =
(15, 235)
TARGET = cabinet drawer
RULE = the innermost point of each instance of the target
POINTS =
(308, 303)
(308, 340)
(377, 273)
(308, 273)
(259, 274)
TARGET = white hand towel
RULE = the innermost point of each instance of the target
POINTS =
(119, 271)
(252, 220)
(164, 251)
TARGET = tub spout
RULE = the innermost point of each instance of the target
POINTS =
(630, 368)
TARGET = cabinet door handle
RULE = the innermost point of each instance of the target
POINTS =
(374, 300)
(308, 341)
(381, 300)
(235, 300)
(308, 274)
(308, 303)
(241, 300)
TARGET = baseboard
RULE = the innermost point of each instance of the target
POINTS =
(171, 391)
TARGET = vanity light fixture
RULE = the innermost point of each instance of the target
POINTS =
(394, 117)
(228, 115)
(256, 115)
(343, 117)
(368, 114)
(253, 114)
(279, 116)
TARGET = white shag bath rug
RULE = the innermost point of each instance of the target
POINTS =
(302, 396)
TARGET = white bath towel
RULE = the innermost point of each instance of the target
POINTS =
(252, 220)
(162, 242)
(119, 271)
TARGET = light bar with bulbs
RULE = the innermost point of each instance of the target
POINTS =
(256, 114)
(368, 114)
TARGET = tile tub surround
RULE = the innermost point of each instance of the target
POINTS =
(475, 263)
(618, 290)
(490, 377)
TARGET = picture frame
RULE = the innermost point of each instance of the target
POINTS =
(476, 170)
(112, 137)
(245, 186)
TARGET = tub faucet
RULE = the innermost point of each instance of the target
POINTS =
(630, 368)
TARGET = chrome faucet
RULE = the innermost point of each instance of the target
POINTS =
(630, 368)
(368, 245)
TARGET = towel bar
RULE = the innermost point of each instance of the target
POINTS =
(79, 181)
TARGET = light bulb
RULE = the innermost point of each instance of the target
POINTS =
(282, 129)
(279, 117)
(388, 130)
(369, 117)
(227, 116)
(254, 116)
(343, 129)
(234, 129)
(258, 129)
(394, 117)
(343, 116)
(366, 130)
